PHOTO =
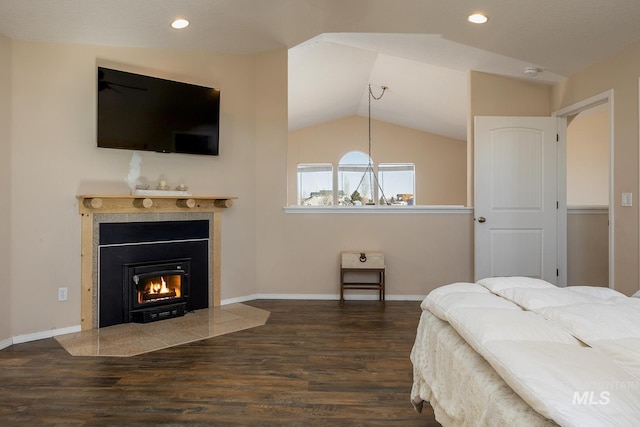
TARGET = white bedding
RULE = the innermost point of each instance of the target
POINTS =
(462, 388)
(572, 354)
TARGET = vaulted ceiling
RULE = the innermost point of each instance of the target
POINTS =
(421, 49)
(426, 77)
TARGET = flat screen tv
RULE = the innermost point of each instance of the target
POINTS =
(137, 112)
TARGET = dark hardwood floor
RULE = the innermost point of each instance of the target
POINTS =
(313, 364)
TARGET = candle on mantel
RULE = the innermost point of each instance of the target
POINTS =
(163, 183)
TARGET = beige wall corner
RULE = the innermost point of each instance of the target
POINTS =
(5, 189)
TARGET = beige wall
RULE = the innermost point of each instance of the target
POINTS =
(440, 161)
(5, 188)
(270, 179)
(620, 72)
(588, 159)
(54, 152)
(588, 186)
(422, 251)
(587, 248)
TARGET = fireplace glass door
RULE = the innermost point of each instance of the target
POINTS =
(157, 290)
(163, 286)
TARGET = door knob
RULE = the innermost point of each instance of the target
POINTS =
(482, 219)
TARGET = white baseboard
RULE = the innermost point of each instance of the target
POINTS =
(299, 296)
(45, 334)
(5, 343)
(330, 297)
(406, 297)
(235, 300)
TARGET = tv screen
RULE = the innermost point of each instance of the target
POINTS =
(146, 113)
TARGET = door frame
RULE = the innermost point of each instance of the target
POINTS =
(594, 101)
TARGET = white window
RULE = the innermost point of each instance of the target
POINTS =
(397, 181)
(356, 181)
(315, 184)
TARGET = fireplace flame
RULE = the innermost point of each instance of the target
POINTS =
(160, 288)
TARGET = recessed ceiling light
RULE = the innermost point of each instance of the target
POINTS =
(477, 18)
(180, 23)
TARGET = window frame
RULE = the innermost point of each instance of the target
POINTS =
(346, 165)
(321, 167)
(400, 167)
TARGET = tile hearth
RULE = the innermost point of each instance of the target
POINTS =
(130, 339)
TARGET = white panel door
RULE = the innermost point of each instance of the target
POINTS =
(516, 195)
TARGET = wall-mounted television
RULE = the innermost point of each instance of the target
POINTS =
(138, 112)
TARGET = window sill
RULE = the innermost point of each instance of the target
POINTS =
(420, 209)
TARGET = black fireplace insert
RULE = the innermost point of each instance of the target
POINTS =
(152, 270)
(157, 291)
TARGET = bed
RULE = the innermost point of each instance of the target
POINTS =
(516, 351)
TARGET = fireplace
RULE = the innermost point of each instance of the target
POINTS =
(99, 204)
(156, 291)
(152, 270)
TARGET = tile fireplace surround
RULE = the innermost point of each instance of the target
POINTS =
(96, 208)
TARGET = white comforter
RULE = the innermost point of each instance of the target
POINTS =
(573, 354)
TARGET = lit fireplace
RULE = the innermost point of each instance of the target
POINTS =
(152, 270)
(157, 290)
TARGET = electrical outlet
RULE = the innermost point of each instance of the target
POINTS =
(627, 199)
(62, 294)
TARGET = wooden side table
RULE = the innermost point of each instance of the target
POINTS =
(363, 263)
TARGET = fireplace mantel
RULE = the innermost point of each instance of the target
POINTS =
(91, 204)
